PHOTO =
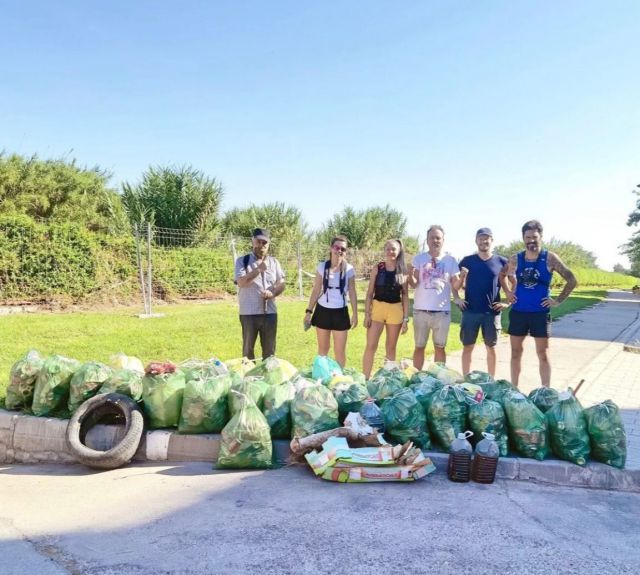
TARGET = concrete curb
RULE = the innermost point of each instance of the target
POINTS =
(30, 439)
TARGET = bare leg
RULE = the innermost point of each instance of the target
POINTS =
(491, 360)
(542, 349)
(340, 346)
(373, 337)
(467, 350)
(439, 354)
(418, 357)
(324, 340)
(393, 333)
(516, 357)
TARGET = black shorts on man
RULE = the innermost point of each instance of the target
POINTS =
(533, 323)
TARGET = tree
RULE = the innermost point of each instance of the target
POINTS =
(285, 223)
(572, 254)
(58, 190)
(181, 198)
(365, 229)
(620, 269)
(632, 247)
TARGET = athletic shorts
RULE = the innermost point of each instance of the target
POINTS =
(383, 312)
(473, 322)
(533, 323)
(430, 321)
(334, 319)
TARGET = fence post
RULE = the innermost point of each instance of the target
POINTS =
(149, 267)
(140, 270)
(300, 292)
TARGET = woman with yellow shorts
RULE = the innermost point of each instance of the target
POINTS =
(386, 304)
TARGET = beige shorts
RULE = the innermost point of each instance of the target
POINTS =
(431, 321)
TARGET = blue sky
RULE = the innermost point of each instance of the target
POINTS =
(466, 114)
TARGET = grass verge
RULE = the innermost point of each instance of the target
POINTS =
(194, 330)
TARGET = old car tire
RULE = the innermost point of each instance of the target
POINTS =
(116, 407)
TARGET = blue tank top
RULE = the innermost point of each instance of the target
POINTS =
(534, 279)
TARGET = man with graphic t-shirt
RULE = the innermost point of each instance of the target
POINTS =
(432, 274)
(481, 306)
(531, 271)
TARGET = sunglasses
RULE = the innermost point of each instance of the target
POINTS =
(339, 249)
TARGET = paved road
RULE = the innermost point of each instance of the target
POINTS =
(588, 345)
(186, 519)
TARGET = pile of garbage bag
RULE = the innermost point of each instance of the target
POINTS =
(427, 408)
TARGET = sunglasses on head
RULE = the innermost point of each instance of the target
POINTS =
(339, 249)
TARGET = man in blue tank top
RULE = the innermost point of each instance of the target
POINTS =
(531, 271)
(481, 306)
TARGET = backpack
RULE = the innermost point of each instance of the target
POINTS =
(325, 281)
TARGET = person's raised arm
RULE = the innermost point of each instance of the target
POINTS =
(555, 264)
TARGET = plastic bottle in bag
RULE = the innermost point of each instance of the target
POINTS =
(459, 468)
(372, 414)
(485, 460)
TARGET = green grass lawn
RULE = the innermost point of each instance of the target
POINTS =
(191, 331)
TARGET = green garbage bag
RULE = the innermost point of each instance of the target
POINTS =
(273, 370)
(350, 397)
(405, 419)
(544, 398)
(488, 416)
(126, 382)
(357, 376)
(386, 382)
(52, 384)
(240, 366)
(22, 380)
(445, 374)
(447, 415)
(324, 368)
(527, 426)
(277, 409)
(246, 440)
(478, 377)
(424, 386)
(607, 434)
(86, 382)
(313, 409)
(205, 404)
(496, 391)
(568, 429)
(162, 395)
(254, 387)
(199, 369)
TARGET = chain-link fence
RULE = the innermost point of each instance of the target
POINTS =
(43, 262)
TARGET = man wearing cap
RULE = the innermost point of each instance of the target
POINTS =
(432, 274)
(531, 272)
(481, 306)
(260, 280)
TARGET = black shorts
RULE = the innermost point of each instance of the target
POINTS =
(473, 322)
(331, 319)
(533, 323)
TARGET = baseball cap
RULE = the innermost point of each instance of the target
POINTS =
(261, 234)
(484, 232)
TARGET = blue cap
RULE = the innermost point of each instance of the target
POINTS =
(484, 232)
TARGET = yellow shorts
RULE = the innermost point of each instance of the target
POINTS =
(384, 312)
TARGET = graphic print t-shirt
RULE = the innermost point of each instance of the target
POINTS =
(433, 292)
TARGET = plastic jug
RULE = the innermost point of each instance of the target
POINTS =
(485, 460)
(459, 468)
(372, 414)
